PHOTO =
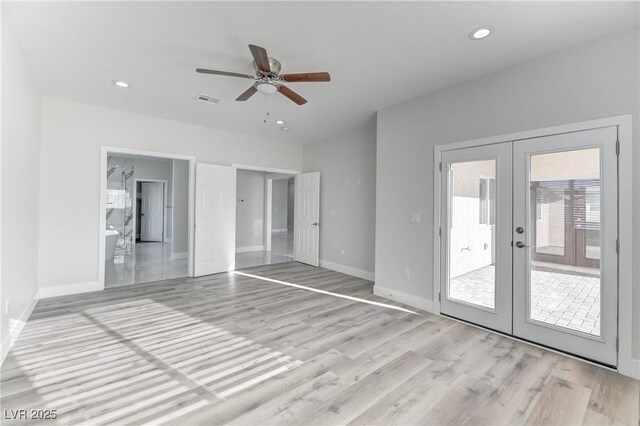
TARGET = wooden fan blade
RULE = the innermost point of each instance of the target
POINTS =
(261, 58)
(229, 74)
(303, 77)
(247, 94)
(292, 95)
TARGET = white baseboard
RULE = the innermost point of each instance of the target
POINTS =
(179, 255)
(15, 328)
(407, 299)
(630, 367)
(279, 231)
(365, 275)
(64, 290)
(249, 248)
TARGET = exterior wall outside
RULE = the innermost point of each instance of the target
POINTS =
(471, 245)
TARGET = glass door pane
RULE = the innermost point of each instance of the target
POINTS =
(565, 219)
(472, 274)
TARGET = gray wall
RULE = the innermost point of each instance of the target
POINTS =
(595, 80)
(250, 209)
(21, 103)
(347, 166)
(180, 238)
(291, 192)
(279, 206)
(69, 237)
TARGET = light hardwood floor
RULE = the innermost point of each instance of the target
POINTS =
(234, 349)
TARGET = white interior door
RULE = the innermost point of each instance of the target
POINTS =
(476, 283)
(307, 218)
(152, 214)
(565, 257)
(215, 224)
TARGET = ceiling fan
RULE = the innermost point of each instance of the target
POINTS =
(268, 79)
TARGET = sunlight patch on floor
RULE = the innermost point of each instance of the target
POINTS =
(141, 367)
(328, 293)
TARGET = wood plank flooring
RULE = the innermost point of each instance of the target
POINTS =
(234, 349)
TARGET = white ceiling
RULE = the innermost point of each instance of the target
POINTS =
(378, 53)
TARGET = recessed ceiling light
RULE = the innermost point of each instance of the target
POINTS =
(284, 128)
(279, 122)
(480, 33)
(119, 83)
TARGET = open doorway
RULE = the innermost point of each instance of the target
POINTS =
(146, 217)
(282, 207)
(264, 218)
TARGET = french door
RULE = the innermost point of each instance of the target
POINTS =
(477, 235)
(529, 240)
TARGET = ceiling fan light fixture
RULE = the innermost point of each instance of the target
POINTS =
(266, 88)
(120, 83)
(480, 33)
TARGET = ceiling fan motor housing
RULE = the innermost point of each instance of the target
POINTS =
(274, 64)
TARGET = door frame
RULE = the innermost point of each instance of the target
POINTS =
(105, 151)
(271, 173)
(164, 206)
(627, 365)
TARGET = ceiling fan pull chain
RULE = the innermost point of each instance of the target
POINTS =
(266, 111)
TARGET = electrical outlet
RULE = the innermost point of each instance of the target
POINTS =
(333, 212)
(407, 274)
(6, 307)
(414, 218)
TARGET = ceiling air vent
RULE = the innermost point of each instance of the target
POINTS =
(207, 99)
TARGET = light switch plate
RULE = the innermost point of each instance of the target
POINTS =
(407, 274)
(414, 218)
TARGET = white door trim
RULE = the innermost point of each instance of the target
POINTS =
(265, 169)
(135, 206)
(268, 192)
(627, 365)
(102, 190)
